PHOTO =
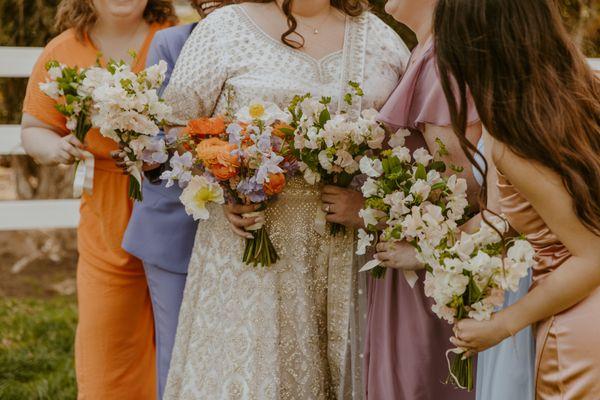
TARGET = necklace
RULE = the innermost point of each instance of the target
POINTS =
(315, 29)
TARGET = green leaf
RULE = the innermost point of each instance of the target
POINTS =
(324, 117)
(421, 173)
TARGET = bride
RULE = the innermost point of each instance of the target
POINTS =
(286, 331)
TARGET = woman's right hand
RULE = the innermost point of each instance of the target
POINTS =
(233, 213)
(398, 255)
(65, 150)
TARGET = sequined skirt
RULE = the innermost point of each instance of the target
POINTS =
(266, 333)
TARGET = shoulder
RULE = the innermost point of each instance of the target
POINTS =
(167, 43)
(63, 44)
(382, 36)
(220, 16)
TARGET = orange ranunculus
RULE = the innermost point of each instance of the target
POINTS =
(209, 149)
(206, 126)
(277, 129)
(275, 185)
(223, 172)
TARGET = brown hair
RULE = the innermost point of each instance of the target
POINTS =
(352, 8)
(533, 89)
(81, 15)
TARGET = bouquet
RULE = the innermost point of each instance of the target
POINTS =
(127, 109)
(329, 146)
(407, 198)
(73, 93)
(467, 276)
(243, 159)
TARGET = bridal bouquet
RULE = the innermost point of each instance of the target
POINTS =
(467, 276)
(407, 198)
(127, 109)
(244, 159)
(72, 91)
(329, 146)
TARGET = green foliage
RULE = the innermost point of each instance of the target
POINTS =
(36, 349)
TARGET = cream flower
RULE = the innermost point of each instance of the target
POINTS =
(198, 193)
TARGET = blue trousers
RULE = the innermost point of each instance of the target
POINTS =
(166, 293)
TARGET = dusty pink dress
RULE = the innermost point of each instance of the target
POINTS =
(405, 342)
(567, 344)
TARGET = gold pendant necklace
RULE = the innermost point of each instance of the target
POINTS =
(315, 29)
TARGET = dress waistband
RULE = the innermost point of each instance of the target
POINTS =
(106, 165)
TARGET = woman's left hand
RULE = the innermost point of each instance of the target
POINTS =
(342, 206)
(477, 336)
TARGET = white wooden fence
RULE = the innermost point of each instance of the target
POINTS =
(17, 62)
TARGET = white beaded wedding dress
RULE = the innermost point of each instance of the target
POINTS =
(287, 331)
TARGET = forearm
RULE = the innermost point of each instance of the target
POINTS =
(566, 286)
(38, 143)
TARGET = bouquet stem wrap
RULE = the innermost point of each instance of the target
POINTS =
(259, 250)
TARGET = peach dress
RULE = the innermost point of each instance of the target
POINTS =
(114, 345)
(567, 344)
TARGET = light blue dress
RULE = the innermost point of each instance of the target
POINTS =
(506, 371)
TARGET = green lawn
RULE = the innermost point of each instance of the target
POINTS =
(36, 348)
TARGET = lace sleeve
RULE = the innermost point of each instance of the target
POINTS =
(200, 72)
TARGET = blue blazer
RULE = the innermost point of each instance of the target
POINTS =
(159, 231)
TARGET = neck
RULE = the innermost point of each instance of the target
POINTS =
(420, 23)
(308, 8)
(117, 27)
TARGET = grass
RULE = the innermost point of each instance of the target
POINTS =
(36, 348)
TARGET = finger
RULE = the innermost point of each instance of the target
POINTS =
(64, 157)
(329, 198)
(332, 189)
(74, 141)
(72, 150)
(469, 353)
(335, 218)
(460, 343)
(241, 232)
(241, 208)
(382, 246)
(382, 256)
(116, 155)
(242, 222)
(328, 208)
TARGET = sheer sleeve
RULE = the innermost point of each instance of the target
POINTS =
(200, 72)
(36, 102)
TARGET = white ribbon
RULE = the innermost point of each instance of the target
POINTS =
(84, 175)
(134, 168)
(455, 350)
(410, 276)
(320, 222)
(256, 226)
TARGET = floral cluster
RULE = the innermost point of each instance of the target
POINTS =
(328, 145)
(244, 158)
(73, 93)
(408, 198)
(127, 108)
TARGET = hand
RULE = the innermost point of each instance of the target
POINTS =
(66, 150)
(238, 222)
(342, 206)
(399, 255)
(476, 336)
(119, 157)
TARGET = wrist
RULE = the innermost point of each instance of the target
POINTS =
(505, 325)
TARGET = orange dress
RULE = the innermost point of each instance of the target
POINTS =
(568, 343)
(114, 345)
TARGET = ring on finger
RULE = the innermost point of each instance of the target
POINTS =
(327, 208)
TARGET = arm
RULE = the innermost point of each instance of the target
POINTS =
(45, 145)
(564, 287)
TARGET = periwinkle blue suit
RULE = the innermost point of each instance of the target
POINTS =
(160, 233)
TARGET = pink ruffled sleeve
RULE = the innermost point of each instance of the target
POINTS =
(419, 98)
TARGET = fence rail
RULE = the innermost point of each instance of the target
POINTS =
(18, 62)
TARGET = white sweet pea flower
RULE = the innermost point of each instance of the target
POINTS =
(346, 161)
(370, 114)
(481, 311)
(376, 137)
(325, 160)
(420, 189)
(51, 89)
(180, 170)
(310, 176)
(370, 188)
(55, 72)
(371, 216)
(422, 156)
(370, 167)
(398, 138)
(402, 153)
(364, 240)
(521, 251)
(198, 193)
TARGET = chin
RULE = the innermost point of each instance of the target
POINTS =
(121, 8)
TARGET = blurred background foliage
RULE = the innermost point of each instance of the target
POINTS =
(37, 306)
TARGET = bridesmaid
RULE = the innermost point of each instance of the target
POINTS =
(405, 342)
(114, 347)
(540, 102)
